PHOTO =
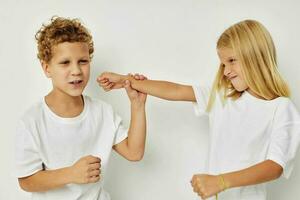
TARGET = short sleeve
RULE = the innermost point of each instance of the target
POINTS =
(285, 137)
(27, 157)
(121, 132)
(202, 96)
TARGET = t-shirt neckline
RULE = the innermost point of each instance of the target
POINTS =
(76, 119)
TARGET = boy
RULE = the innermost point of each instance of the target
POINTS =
(63, 143)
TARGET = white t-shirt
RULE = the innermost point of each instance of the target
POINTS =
(45, 140)
(247, 131)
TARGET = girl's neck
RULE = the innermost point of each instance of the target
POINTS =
(64, 105)
(255, 95)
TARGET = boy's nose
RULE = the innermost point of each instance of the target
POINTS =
(76, 70)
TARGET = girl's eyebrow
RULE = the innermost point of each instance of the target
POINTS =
(231, 58)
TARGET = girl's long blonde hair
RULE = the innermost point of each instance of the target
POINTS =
(255, 50)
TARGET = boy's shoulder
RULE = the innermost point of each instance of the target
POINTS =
(33, 112)
(37, 110)
(96, 101)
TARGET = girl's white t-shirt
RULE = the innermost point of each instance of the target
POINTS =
(247, 131)
(46, 141)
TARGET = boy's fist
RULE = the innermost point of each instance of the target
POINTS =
(86, 170)
(110, 80)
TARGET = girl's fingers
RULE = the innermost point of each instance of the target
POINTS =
(130, 74)
(142, 77)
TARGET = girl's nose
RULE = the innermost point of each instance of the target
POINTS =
(227, 71)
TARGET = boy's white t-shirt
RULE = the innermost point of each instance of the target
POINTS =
(46, 141)
(248, 131)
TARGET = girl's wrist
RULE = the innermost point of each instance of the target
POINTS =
(224, 185)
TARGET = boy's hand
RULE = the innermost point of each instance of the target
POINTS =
(136, 97)
(86, 170)
(206, 185)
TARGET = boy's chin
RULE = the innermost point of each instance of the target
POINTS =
(74, 93)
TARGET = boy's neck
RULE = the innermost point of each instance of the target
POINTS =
(64, 105)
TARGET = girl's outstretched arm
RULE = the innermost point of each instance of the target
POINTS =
(161, 89)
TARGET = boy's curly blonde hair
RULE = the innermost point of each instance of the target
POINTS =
(58, 31)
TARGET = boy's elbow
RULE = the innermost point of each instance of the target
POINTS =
(136, 157)
(25, 185)
(277, 169)
(279, 172)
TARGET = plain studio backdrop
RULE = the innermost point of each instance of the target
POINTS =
(164, 39)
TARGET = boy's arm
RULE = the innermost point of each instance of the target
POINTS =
(132, 148)
(85, 170)
(208, 185)
(162, 89)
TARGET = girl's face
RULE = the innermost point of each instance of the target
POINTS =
(232, 69)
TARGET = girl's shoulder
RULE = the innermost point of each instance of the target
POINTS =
(285, 104)
(286, 111)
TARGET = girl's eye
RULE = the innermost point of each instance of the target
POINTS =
(232, 60)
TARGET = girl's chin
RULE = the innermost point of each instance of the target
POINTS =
(239, 88)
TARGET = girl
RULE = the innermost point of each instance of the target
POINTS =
(254, 126)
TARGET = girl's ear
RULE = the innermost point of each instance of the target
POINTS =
(46, 69)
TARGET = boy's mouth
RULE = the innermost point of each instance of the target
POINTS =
(75, 82)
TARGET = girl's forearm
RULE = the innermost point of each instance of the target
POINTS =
(259, 173)
(163, 89)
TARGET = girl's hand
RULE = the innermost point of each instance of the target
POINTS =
(136, 97)
(139, 77)
(206, 185)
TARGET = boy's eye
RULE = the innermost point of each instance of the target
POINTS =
(83, 61)
(64, 62)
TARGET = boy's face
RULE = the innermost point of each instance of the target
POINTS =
(69, 68)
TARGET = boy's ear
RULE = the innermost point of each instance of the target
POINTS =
(45, 66)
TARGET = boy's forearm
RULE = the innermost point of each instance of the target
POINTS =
(259, 173)
(46, 180)
(137, 131)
